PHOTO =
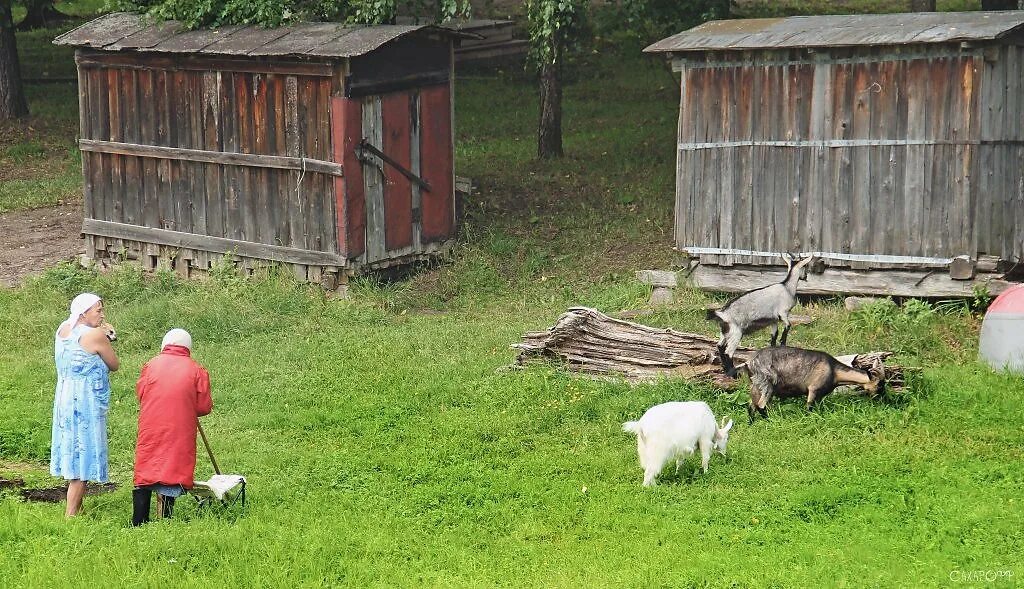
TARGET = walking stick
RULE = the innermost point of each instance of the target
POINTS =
(206, 443)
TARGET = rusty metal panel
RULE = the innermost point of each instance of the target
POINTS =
(845, 30)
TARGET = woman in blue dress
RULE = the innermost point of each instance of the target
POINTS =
(84, 358)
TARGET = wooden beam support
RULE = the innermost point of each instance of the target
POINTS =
(213, 157)
(180, 239)
(900, 283)
(202, 64)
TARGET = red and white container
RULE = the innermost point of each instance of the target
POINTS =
(1002, 331)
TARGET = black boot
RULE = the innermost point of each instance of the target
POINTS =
(168, 502)
(140, 505)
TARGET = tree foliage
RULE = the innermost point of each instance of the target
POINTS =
(650, 20)
(555, 26)
(274, 13)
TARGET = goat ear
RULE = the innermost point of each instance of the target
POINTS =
(728, 426)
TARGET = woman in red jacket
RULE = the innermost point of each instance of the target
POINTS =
(173, 392)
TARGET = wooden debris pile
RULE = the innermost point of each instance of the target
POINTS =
(589, 341)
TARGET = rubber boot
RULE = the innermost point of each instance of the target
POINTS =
(140, 506)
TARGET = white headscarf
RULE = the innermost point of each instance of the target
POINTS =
(79, 306)
(177, 337)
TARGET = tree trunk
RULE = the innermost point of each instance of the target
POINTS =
(549, 134)
(999, 4)
(922, 5)
(12, 97)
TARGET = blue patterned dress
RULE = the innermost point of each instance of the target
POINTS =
(78, 448)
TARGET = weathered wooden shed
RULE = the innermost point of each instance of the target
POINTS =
(887, 144)
(325, 146)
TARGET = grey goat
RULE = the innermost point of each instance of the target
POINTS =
(755, 310)
(785, 372)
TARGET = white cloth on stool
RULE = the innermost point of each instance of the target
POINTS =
(218, 485)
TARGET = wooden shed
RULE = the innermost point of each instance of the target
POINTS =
(892, 146)
(325, 146)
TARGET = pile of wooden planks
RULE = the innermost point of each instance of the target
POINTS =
(589, 341)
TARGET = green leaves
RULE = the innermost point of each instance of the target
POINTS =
(274, 13)
(555, 25)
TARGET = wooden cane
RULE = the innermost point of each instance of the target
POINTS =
(206, 443)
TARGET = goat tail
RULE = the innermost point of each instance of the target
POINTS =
(712, 314)
(851, 375)
(632, 427)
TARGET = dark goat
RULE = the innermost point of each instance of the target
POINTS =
(786, 372)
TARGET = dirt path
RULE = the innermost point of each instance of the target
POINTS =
(31, 241)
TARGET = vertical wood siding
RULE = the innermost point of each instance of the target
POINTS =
(999, 169)
(910, 185)
(436, 163)
(348, 133)
(397, 125)
(242, 112)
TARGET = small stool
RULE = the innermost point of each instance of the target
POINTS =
(663, 284)
(226, 488)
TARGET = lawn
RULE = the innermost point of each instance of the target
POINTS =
(387, 443)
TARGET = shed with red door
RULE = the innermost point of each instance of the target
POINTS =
(322, 146)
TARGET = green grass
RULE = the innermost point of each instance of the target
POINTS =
(387, 445)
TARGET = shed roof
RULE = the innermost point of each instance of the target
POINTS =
(843, 30)
(121, 31)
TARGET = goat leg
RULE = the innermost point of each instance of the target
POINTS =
(812, 398)
(785, 333)
(727, 364)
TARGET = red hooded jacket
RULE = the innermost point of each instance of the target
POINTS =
(173, 391)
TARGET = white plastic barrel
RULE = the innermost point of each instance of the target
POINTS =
(1002, 331)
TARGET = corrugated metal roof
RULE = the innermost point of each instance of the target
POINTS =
(843, 31)
(132, 32)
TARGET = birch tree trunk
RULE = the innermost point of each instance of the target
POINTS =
(549, 131)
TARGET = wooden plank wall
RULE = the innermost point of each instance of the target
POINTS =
(905, 199)
(999, 169)
(231, 111)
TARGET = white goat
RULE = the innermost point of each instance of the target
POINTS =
(755, 310)
(674, 431)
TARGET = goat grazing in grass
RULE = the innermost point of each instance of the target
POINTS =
(785, 372)
(674, 431)
(755, 310)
